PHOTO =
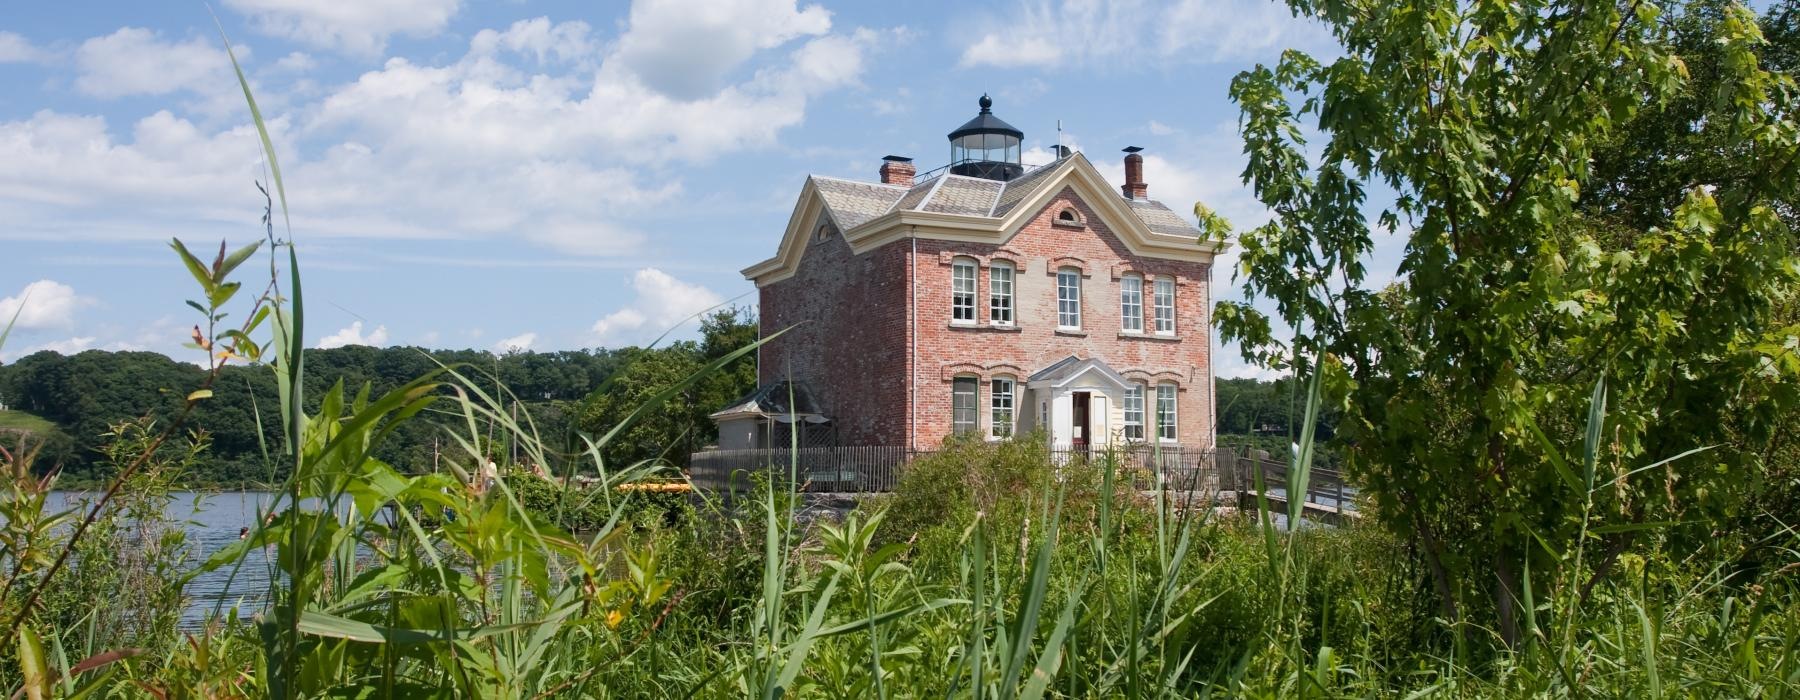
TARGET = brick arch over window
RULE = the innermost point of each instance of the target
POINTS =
(1149, 271)
(953, 370)
(1138, 374)
(1061, 262)
(947, 257)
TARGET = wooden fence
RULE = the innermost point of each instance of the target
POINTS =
(824, 469)
(877, 469)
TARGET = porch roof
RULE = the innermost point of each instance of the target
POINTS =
(1071, 368)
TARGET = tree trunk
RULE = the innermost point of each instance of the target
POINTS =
(1506, 598)
(1440, 578)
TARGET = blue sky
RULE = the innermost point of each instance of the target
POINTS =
(548, 175)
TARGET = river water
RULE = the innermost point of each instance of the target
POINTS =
(212, 522)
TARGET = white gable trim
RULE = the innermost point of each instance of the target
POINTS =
(787, 258)
(1075, 173)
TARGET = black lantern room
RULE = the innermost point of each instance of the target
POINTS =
(986, 147)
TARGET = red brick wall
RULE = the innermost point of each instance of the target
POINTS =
(847, 316)
(1038, 250)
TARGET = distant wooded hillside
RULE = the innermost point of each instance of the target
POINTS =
(67, 403)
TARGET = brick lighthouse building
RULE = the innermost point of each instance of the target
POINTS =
(985, 298)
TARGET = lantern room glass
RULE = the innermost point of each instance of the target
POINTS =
(991, 148)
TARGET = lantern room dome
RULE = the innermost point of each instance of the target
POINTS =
(986, 147)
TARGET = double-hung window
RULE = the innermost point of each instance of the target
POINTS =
(1000, 294)
(1165, 412)
(1000, 400)
(962, 291)
(1131, 304)
(962, 404)
(1134, 411)
(1164, 299)
(1068, 298)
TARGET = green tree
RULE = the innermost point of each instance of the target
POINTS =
(682, 425)
(1462, 384)
(667, 434)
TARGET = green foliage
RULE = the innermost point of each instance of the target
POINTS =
(671, 433)
(1486, 119)
(81, 395)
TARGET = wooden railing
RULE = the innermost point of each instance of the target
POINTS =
(1326, 490)
(877, 469)
(828, 469)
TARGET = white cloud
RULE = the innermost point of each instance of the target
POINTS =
(576, 153)
(1052, 33)
(660, 303)
(1012, 52)
(360, 27)
(15, 48)
(1231, 365)
(518, 343)
(686, 48)
(67, 346)
(42, 304)
(296, 62)
(137, 61)
(353, 335)
(566, 42)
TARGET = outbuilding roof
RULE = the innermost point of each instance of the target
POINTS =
(783, 401)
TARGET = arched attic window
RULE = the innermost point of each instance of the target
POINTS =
(1068, 217)
(824, 230)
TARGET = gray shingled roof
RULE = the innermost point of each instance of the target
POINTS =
(1160, 219)
(916, 195)
(1022, 187)
(854, 203)
(781, 398)
(964, 195)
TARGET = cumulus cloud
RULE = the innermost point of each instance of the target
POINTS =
(568, 150)
(15, 48)
(42, 304)
(1053, 33)
(686, 48)
(353, 335)
(518, 343)
(566, 42)
(137, 61)
(659, 303)
(361, 27)
(296, 62)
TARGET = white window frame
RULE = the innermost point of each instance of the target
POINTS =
(1133, 406)
(1001, 276)
(1164, 300)
(1003, 401)
(974, 423)
(965, 276)
(1068, 298)
(1167, 427)
(1131, 303)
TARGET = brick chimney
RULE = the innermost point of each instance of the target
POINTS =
(1134, 187)
(897, 170)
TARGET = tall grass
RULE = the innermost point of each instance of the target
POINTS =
(1029, 579)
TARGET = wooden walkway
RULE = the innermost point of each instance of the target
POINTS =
(1278, 503)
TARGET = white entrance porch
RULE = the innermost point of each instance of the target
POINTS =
(1079, 402)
